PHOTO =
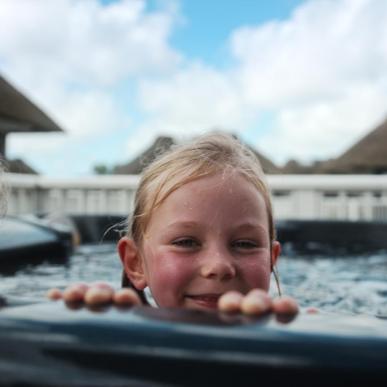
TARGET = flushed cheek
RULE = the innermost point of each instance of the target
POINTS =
(256, 273)
(168, 280)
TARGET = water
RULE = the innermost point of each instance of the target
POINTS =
(340, 284)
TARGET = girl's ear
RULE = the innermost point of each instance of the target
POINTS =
(131, 262)
(275, 252)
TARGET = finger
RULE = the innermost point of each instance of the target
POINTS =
(98, 295)
(75, 293)
(285, 305)
(101, 285)
(256, 302)
(54, 294)
(126, 297)
(230, 302)
(285, 318)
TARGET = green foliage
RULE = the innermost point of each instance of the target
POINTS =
(101, 169)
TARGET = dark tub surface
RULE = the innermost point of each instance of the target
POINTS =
(29, 240)
(332, 236)
(50, 345)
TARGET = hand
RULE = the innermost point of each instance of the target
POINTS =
(95, 294)
(257, 303)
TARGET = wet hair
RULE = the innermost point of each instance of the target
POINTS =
(207, 155)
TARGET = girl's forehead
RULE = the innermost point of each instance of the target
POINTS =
(216, 189)
(230, 181)
(206, 190)
(223, 201)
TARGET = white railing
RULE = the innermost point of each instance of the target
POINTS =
(352, 197)
(85, 195)
(349, 197)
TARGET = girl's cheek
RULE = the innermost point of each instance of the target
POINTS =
(256, 273)
(169, 281)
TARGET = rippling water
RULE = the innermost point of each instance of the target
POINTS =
(340, 284)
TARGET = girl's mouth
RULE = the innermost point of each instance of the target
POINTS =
(205, 300)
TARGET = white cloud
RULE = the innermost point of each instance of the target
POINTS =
(92, 114)
(321, 74)
(322, 71)
(324, 129)
(326, 47)
(82, 115)
(70, 57)
(83, 41)
(194, 99)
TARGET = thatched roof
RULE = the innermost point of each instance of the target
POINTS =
(161, 145)
(18, 166)
(267, 165)
(136, 166)
(19, 114)
(294, 167)
(369, 155)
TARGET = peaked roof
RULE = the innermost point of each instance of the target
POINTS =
(136, 166)
(369, 155)
(267, 165)
(19, 166)
(162, 144)
(19, 114)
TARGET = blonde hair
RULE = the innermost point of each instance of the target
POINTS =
(207, 155)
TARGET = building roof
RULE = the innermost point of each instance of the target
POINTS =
(369, 155)
(162, 144)
(267, 165)
(136, 166)
(19, 114)
(19, 166)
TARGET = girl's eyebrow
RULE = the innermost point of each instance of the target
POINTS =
(182, 224)
(243, 227)
(251, 226)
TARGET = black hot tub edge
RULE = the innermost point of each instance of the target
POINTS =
(50, 345)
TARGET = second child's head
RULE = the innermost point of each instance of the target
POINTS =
(202, 225)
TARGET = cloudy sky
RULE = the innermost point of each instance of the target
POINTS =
(296, 79)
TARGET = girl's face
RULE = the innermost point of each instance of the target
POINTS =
(208, 237)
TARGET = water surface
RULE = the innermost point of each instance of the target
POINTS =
(340, 284)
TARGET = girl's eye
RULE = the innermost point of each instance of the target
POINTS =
(244, 244)
(185, 242)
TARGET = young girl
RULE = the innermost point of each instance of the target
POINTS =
(201, 236)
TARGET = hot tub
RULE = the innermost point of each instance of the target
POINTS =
(51, 345)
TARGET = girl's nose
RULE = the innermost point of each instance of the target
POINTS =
(218, 267)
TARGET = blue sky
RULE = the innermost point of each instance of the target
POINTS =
(209, 23)
(296, 79)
